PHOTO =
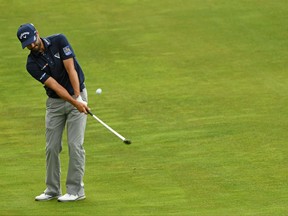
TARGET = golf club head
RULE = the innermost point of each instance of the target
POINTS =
(127, 142)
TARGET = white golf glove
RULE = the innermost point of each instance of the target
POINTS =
(79, 98)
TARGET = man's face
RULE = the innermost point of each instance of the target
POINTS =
(36, 46)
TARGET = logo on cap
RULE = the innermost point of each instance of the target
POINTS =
(24, 35)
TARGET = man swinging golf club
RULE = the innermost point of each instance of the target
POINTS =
(52, 62)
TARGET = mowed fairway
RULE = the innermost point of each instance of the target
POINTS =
(199, 86)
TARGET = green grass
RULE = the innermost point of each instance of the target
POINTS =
(199, 86)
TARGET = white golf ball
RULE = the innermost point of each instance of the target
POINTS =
(99, 91)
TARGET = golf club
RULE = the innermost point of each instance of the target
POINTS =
(126, 141)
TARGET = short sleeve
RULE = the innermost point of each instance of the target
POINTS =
(65, 48)
(36, 72)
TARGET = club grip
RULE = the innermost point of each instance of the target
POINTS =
(89, 112)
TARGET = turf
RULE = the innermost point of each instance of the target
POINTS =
(199, 86)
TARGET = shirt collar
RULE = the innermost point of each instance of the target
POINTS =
(46, 42)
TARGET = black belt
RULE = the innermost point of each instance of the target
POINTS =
(82, 86)
(54, 95)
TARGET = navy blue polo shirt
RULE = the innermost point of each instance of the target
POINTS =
(50, 64)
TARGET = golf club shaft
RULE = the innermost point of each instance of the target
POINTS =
(105, 125)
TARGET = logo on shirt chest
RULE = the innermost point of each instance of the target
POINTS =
(57, 55)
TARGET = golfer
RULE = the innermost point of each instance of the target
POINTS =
(52, 62)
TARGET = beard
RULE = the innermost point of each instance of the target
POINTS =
(37, 45)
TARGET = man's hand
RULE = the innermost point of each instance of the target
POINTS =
(79, 99)
(81, 105)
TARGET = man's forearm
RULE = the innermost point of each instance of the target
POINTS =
(73, 76)
(60, 91)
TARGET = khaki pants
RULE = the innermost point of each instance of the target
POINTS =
(58, 114)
